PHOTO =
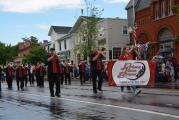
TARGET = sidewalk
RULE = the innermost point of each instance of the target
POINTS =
(150, 90)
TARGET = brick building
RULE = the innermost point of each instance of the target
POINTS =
(24, 49)
(156, 21)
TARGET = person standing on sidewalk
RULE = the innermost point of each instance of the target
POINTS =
(96, 69)
(9, 75)
(53, 74)
(82, 67)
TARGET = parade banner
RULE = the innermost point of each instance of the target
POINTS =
(131, 72)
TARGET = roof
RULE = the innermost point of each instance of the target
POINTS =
(139, 4)
(59, 29)
(130, 4)
(79, 20)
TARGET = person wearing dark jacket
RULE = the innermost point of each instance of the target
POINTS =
(20, 76)
(53, 73)
(9, 75)
(96, 68)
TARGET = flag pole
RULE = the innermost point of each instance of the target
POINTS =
(134, 20)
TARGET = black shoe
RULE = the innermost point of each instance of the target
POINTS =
(95, 91)
(100, 89)
(52, 95)
(58, 95)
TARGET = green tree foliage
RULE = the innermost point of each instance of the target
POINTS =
(37, 54)
(89, 32)
(7, 53)
(34, 40)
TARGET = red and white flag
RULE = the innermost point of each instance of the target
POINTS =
(134, 34)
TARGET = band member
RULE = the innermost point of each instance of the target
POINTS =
(53, 76)
(72, 69)
(61, 72)
(31, 75)
(25, 74)
(9, 75)
(67, 73)
(37, 74)
(96, 69)
(82, 67)
(41, 71)
(34, 72)
(20, 76)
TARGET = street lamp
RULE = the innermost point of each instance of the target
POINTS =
(130, 30)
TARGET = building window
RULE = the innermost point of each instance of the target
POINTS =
(60, 46)
(54, 46)
(48, 49)
(65, 44)
(169, 7)
(156, 10)
(124, 29)
(163, 8)
(116, 52)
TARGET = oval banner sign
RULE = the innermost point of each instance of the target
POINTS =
(131, 72)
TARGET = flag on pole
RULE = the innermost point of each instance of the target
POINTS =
(134, 34)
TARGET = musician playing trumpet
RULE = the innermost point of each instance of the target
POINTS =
(53, 73)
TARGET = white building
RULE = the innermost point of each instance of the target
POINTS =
(55, 33)
(112, 35)
(66, 47)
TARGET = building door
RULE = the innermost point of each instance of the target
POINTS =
(165, 41)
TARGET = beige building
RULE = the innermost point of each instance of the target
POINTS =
(113, 35)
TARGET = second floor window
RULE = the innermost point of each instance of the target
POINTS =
(54, 46)
(169, 7)
(60, 46)
(163, 8)
(156, 10)
(124, 29)
(65, 44)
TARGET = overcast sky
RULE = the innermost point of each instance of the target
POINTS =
(24, 18)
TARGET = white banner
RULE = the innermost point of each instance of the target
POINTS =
(131, 72)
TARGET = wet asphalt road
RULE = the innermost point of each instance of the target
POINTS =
(79, 103)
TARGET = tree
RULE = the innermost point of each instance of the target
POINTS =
(7, 53)
(37, 54)
(32, 39)
(89, 32)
